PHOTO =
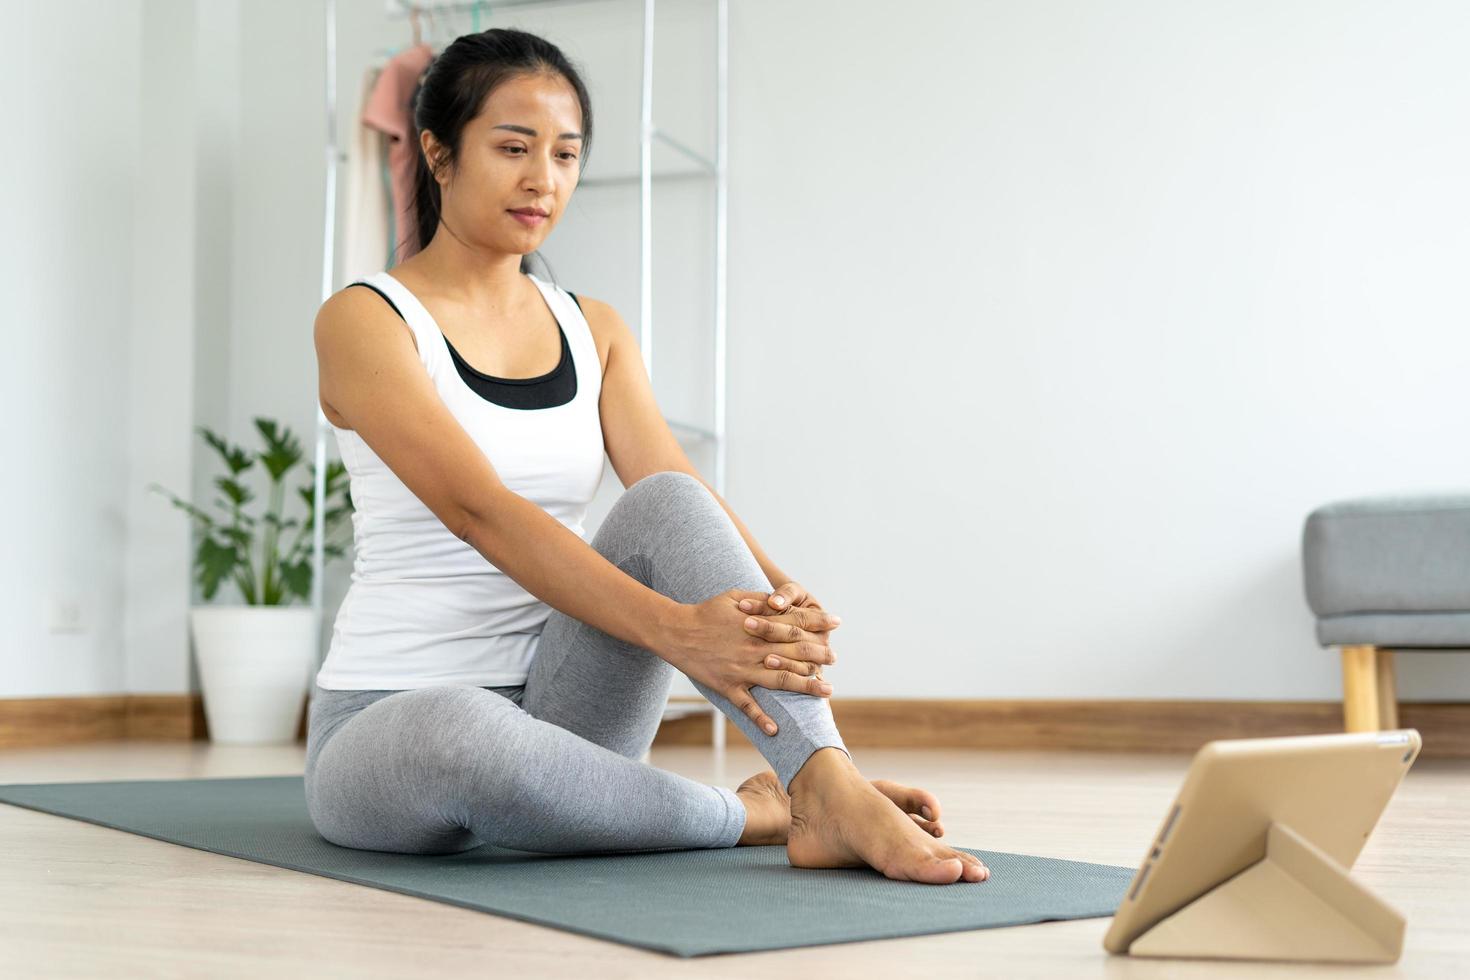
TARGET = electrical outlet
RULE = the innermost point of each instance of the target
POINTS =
(65, 615)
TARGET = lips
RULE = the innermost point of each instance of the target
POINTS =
(529, 220)
(529, 211)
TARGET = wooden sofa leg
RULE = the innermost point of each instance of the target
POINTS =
(1360, 697)
(1388, 701)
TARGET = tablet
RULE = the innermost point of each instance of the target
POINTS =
(1328, 790)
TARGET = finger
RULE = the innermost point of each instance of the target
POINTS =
(807, 651)
(797, 643)
(741, 697)
(749, 601)
(785, 680)
(805, 617)
(816, 620)
(803, 667)
(788, 595)
(774, 629)
(800, 644)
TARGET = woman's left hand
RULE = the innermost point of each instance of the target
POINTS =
(789, 596)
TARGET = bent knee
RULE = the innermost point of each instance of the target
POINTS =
(667, 488)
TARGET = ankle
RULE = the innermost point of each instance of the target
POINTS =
(762, 825)
(824, 769)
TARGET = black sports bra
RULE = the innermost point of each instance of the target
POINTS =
(556, 387)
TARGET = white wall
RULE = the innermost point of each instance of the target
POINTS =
(161, 363)
(72, 189)
(1049, 323)
(1100, 300)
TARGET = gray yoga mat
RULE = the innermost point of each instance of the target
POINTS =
(688, 903)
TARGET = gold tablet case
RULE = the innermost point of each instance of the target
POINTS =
(1296, 903)
(1260, 869)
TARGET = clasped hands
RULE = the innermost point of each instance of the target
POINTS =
(793, 620)
(783, 650)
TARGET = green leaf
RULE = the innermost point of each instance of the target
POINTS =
(337, 474)
(245, 519)
(239, 535)
(215, 561)
(283, 449)
(336, 481)
(296, 577)
(226, 548)
(199, 516)
(235, 458)
(239, 494)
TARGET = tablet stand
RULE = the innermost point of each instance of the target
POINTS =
(1296, 903)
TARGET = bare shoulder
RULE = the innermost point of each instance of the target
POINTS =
(355, 333)
(601, 317)
(607, 326)
(357, 314)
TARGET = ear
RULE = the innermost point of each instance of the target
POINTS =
(432, 151)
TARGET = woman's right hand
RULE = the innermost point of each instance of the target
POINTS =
(709, 643)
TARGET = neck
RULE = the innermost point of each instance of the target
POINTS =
(477, 277)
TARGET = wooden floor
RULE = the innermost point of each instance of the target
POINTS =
(81, 900)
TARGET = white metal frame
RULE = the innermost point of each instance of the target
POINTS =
(717, 168)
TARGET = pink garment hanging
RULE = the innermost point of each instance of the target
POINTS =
(387, 109)
(365, 224)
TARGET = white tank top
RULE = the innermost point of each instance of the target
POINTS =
(424, 608)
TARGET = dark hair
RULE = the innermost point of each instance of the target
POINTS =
(454, 88)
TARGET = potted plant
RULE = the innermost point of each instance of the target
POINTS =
(256, 657)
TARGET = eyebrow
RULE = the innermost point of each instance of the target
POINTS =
(531, 132)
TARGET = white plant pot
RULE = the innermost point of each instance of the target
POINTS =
(255, 664)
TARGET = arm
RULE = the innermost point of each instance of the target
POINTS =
(559, 568)
(638, 440)
(369, 373)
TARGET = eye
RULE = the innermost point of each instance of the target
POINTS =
(567, 153)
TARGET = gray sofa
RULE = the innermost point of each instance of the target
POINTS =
(1383, 574)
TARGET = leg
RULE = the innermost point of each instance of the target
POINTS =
(1388, 700)
(440, 770)
(670, 533)
(1360, 688)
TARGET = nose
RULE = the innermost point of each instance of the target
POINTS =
(540, 175)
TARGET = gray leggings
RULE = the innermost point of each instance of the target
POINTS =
(554, 765)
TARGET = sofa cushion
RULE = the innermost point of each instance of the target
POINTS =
(1388, 554)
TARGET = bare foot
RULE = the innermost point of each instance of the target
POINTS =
(840, 820)
(768, 807)
(767, 810)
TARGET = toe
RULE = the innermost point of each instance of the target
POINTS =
(909, 799)
(930, 827)
(929, 864)
(975, 869)
(940, 871)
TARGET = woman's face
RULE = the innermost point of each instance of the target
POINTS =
(524, 150)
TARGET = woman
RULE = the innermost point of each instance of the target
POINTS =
(455, 706)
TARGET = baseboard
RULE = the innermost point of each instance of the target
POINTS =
(26, 722)
(1111, 725)
(1094, 725)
